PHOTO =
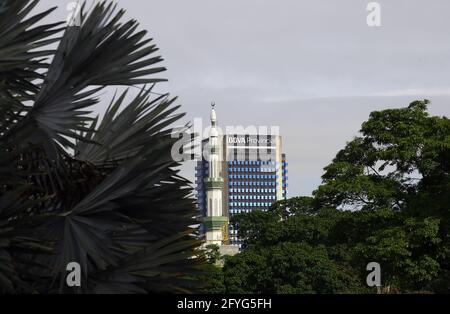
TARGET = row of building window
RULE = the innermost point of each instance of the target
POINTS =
(241, 210)
(251, 183)
(237, 169)
(200, 193)
(253, 176)
(250, 204)
(251, 162)
(252, 190)
(205, 164)
(257, 163)
(253, 197)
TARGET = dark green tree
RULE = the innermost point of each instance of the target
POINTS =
(395, 178)
(212, 253)
(103, 192)
(288, 267)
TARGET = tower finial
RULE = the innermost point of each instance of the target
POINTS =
(213, 114)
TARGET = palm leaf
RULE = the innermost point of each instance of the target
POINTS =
(19, 39)
(107, 194)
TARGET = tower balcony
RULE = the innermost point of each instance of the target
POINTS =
(215, 222)
(214, 183)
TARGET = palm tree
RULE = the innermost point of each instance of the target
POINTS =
(103, 192)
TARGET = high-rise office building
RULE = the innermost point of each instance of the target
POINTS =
(238, 174)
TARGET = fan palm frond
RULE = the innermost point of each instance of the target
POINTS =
(104, 193)
(20, 40)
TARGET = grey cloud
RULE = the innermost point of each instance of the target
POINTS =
(307, 66)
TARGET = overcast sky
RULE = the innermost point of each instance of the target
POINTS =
(314, 68)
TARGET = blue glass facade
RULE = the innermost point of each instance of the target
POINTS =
(253, 180)
(253, 185)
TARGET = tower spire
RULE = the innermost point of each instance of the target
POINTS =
(213, 114)
(215, 222)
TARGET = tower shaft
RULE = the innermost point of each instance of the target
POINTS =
(215, 223)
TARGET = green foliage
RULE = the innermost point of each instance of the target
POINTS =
(212, 253)
(288, 267)
(212, 280)
(72, 189)
(384, 198)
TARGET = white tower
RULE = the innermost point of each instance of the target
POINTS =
(215, 223)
